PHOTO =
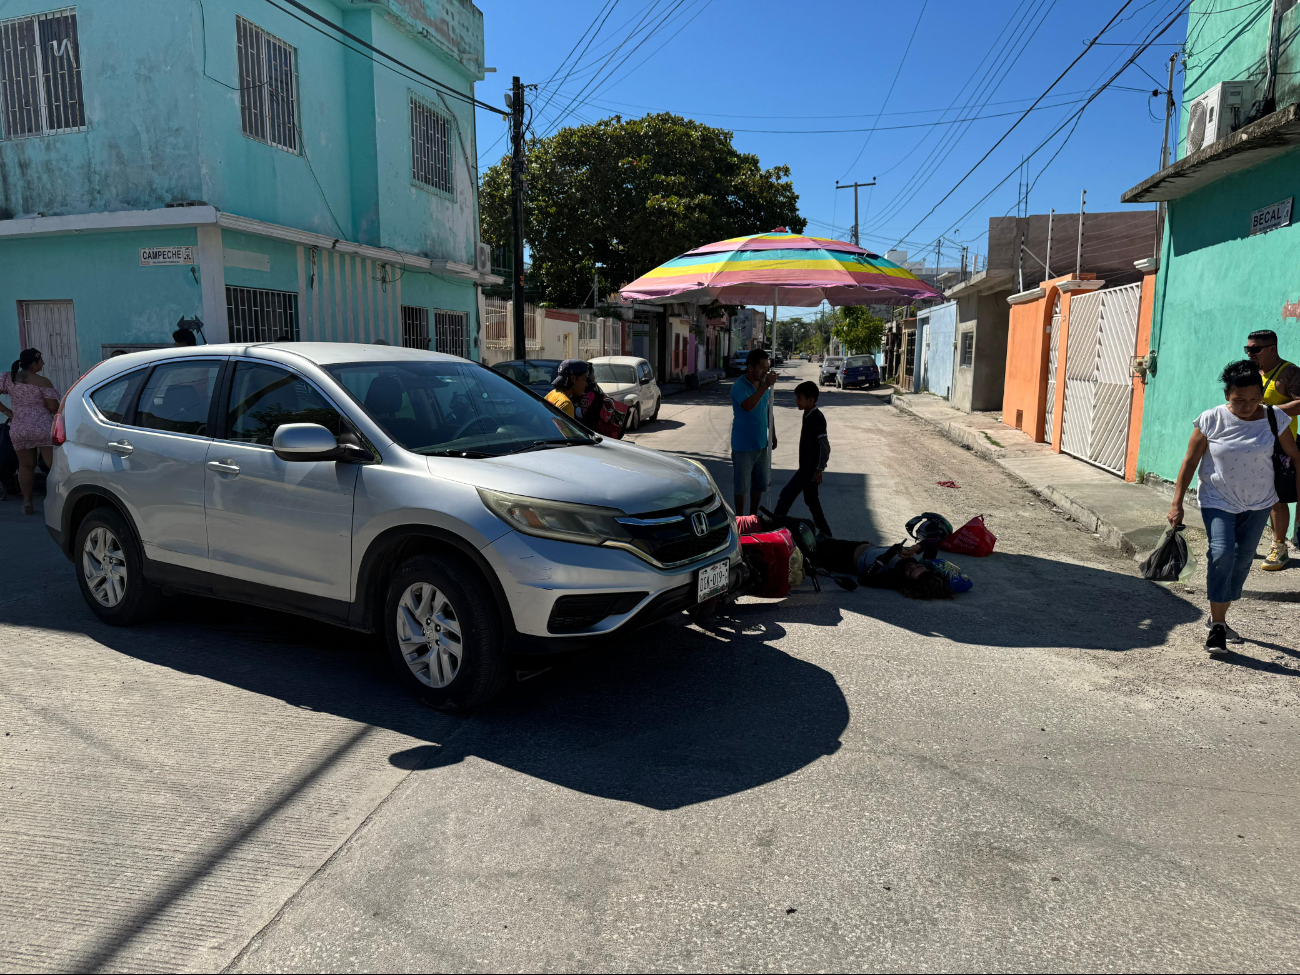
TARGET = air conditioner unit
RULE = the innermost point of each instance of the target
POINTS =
(484, 262)
(1217, 112)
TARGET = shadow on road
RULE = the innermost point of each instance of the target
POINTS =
(665, 718)
(1027, 601)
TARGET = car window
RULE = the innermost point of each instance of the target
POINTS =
(443, 406)
(859, 360)
(113, 399)
(614, 374)
(644, 372)
(263, 397)
(177, 396)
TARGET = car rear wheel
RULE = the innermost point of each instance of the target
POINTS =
(443, 635)
(110, 569)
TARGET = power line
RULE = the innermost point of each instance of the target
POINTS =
(578, 60)
(353, 37)
(1168, 24)
(885, 103)
(1017, 122)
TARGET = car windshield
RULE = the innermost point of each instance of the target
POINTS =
(614, 374)
(859, 360)
(534, 372)
(454, 408)
(833, 360)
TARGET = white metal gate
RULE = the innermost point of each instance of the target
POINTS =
(1098, 376)
(1054, 346)
(51, 327)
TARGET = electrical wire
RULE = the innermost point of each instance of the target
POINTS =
(1151, 38)
(883, 105)
(611, 4)
(1015, 124)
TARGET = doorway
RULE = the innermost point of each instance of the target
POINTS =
(51, 327)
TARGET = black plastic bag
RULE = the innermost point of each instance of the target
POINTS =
(1167, 562)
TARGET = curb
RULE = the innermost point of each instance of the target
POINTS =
(975, 441)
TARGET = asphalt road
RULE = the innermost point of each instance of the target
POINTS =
(1045, 773)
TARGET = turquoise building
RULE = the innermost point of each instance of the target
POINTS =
(301, 171)
(1230, 258)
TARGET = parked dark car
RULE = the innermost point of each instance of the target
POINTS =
(858, 370)
(536, 374)
(736, 364)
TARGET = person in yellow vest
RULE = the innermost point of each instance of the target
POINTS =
(1282, 390)
(569, 384)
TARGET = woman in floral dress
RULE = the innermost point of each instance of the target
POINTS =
(33, 400)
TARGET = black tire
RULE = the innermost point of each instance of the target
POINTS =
(655, 415)
(104, 536)
(634, 420)
(481, 671)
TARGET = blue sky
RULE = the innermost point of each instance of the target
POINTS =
(778, 73)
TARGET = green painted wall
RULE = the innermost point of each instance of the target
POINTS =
(1217, 284)
(1227, 41)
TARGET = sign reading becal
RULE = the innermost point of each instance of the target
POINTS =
(166, 255)
(1270, 218)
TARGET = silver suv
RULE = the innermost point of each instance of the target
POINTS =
(388, 490)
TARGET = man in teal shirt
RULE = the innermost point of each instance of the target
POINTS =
(751, 414)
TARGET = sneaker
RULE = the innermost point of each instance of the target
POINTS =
(1216, 644)
(1232, 635)
(1277, 557)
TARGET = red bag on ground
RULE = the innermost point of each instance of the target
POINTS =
(971, 538)
(773, 549)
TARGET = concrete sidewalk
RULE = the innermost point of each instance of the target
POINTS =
(1129, 517)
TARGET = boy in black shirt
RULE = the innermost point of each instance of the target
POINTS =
(814, 452)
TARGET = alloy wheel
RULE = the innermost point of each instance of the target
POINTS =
(103, 565)
(429, 634)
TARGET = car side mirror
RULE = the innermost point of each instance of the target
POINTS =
(306, 442)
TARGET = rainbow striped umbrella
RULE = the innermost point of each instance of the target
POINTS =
(780, 266)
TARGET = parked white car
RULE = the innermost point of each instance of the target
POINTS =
(830, 369)
(629, 380)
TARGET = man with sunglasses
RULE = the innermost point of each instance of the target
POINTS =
(1282, 390)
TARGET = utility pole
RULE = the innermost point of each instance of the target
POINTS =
(516, 105)
(1164, 150)
(1078, 254)
(1047, 264)
(854, 187)
(595, 285)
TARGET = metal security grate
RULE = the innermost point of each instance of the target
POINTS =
(1054, 348)
(430, 147)
(268, 86)
(967, 348)
(40, 75)
(450, 334)
(258, 315)
(415, 327)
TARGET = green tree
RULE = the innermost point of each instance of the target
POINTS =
(629, 195)
(858, 329)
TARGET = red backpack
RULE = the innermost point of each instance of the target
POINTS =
(768, 553)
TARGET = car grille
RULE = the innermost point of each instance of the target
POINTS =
(668, 538)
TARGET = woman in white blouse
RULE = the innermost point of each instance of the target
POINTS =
(1231, 449)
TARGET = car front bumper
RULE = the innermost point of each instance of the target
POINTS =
(535, 572)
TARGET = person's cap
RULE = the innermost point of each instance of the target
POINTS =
(568, 368)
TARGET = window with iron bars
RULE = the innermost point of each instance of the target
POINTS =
(967, 348)
(430, 147)
(268, 86)
(450, 333)
(40, 75)
(415, 327)
(259, 315)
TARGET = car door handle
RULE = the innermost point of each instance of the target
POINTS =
(122, 447)
(223, 466)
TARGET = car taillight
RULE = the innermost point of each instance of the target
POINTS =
(58, 430)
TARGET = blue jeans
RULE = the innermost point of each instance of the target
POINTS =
(1233, 541)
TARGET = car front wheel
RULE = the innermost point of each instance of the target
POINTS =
(634, 419)
(443, 635)
(110, 569)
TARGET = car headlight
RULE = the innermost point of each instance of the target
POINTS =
(629, 399)
(581, 523)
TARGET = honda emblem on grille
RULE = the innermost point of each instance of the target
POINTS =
(700, 522)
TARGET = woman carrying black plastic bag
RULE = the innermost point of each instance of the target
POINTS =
(1231, 448)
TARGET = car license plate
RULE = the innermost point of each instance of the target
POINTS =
(713, 580)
